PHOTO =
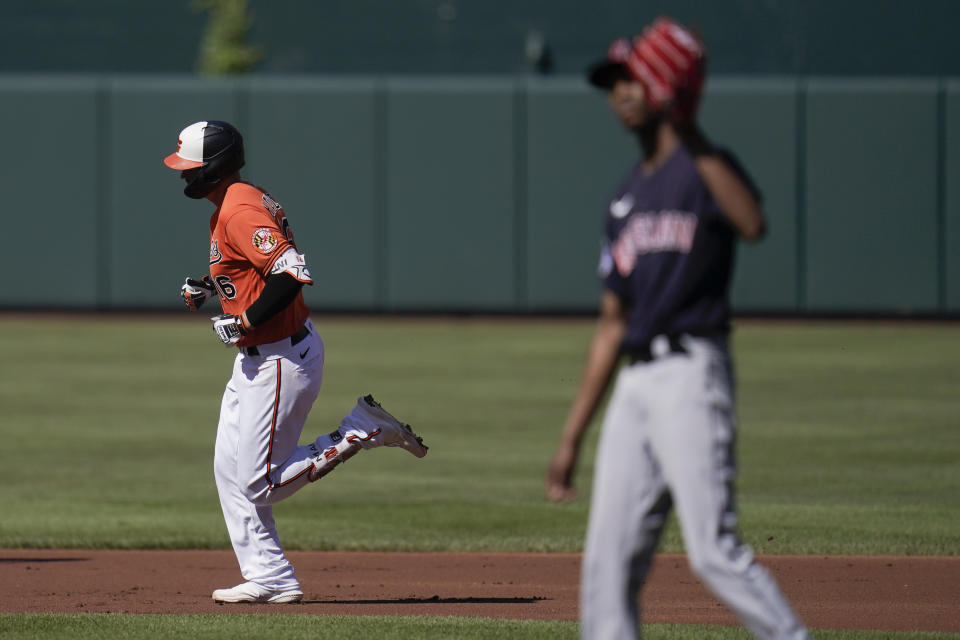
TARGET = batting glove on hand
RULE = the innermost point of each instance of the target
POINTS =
(196, 292)
(229, 328)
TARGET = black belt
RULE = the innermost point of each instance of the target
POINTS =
(643, 353)
(294, 339)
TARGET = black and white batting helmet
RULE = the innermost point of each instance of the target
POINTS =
(212, 146)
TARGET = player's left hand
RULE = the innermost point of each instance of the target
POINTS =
(229, 328)
(670, 62)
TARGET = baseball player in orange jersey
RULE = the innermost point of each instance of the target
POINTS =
(257, 272)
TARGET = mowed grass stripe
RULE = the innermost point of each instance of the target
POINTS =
(305, 627)
(847, 435)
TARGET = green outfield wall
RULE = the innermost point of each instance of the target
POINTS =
(454, 193)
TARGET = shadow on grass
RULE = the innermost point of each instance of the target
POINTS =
(433, 600)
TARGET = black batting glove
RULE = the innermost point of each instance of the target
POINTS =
(196, 292)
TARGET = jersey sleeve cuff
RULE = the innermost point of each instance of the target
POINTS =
(292, 262)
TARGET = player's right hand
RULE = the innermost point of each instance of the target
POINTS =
(196, 292)
(229, 328)
(560, 474)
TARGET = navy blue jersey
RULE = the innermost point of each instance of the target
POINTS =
(668, 252)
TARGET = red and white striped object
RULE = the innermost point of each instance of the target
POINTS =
(669, 61)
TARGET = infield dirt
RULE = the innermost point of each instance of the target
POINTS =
(833, 592)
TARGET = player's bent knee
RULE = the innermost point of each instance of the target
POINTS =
(257, 491)
(715, 560)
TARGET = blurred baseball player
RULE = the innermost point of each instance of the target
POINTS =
(667, 439)
(257, 272)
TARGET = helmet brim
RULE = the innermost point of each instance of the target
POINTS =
(176, 161)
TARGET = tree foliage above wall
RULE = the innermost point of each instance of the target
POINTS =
(224, 48)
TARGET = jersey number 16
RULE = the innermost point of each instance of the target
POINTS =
(225, 288)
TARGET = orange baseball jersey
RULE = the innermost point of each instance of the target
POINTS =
(249, 232)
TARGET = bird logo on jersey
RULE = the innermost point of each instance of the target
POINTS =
(215, 255)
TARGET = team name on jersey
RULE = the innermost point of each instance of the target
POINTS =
(653, 232)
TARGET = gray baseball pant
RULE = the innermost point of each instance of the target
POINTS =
(668, 441)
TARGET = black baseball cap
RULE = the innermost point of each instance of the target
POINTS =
(603, 74)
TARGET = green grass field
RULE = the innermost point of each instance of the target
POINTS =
(303, 627)
(848, 440)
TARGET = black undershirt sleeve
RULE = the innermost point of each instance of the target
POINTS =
(280, 290)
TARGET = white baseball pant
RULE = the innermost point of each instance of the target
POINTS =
(257, 461)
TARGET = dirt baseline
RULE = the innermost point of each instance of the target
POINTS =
(836, 592)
